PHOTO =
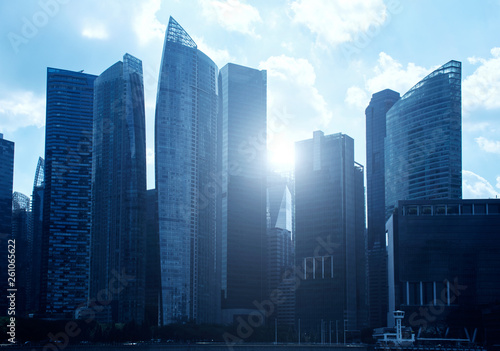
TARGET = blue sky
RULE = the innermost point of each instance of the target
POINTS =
(324, 59)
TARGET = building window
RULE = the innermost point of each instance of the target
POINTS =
(440, 209)
(466, 209)
(493, 208)
(426, 210)
(452, 209)
(479, 208)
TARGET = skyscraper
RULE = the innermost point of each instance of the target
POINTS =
(185, 152)
(423, 144)
(153, 276)
(376, 111)
(242, 146)
(119, 190)
(329, 234)
(21, 232)
(6, 181)
(67, 194)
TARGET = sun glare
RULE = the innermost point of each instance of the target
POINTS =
(281, 157)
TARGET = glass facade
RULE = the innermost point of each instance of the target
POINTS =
(21, 232)
(153, 277)
(330, 241)
(119, 190)
(185, 152)
(67, 193)
(242, 163)
(423, 146)
(446, 263)
(6, 182)
(375, 113)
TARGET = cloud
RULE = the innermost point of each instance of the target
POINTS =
(95, 31)
(219, 56)
(482, 88)
(336, 21)
(233, 15)
(145, 23)
(294, 103)
(488, 145)
(355, 96)
(498, 182)
(476, 187)
(387, 74)
(21, 109)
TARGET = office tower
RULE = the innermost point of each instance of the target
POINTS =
(423, 144)
(119, 191)
(153, 276)
(36, 233)
(21, 233)
(444, 262)
(376, 111)
(6, 181)
(280, 249)
(242, 146)
(185, 153)
(329, 235)
(67, 193)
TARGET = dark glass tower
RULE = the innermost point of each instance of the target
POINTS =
(423, 144)
(21, 232)
(119, 190)
(242, 163)
(66, 200)
(329, 234)
(376, 111)
(6, 182)
(185, 152)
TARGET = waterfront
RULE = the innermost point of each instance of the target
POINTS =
(191, 347)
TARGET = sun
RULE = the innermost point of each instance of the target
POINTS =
(281, 156)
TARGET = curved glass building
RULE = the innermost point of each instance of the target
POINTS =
(423, 144)
(185, 166)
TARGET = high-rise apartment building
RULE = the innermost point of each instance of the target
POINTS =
(423, 144)
(67, 193)
(242, 142)
(185, 154)
(119, 191)
(376, 111)
(330, 240)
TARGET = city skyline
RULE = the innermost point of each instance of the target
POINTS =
(320, 77)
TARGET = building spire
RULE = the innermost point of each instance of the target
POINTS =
(177, 34)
